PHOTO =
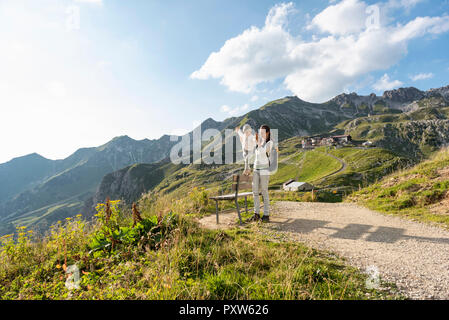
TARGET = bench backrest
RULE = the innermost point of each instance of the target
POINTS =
(241, 182)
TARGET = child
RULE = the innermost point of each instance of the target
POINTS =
(248, 141)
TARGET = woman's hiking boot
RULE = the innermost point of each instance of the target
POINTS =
(265, 218)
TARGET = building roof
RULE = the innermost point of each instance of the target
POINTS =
(298, 184)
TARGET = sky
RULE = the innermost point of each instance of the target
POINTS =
(76, 73)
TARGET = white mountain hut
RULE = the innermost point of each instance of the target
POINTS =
(297, 186)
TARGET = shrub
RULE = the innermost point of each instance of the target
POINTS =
(200, 199)
(143, 232)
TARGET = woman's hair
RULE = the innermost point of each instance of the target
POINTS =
(267, 130)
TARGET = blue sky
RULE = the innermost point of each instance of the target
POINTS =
(76, 73)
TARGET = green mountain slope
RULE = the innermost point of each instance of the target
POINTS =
(21, 173)
(420, 193)
(59, 188)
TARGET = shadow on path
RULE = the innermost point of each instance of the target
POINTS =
(353, 231)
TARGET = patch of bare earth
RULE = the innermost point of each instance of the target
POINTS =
(441, 207)
(227, 219)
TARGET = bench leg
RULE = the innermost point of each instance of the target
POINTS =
(216, 207)
(246, 205)
(238, 210)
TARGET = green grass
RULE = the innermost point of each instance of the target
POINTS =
(307, 166)
(187, 262)
(317, 165)
(364, 166)
(411, 193)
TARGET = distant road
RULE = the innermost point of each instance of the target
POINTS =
(343, 166)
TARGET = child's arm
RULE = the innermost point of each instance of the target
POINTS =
(240, 133)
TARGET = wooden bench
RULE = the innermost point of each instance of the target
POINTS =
(239, 182)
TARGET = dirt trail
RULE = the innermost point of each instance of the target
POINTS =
(410, 254)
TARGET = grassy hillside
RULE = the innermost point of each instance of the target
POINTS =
(307, 166)
(419, 193)
(165, 255)
(364, 166)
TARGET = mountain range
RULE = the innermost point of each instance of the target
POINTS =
(35, 191)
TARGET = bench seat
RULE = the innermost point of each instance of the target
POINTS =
(231, 196)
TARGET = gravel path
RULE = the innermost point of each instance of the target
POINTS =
(410, 254)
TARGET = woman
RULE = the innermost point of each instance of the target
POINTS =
(261, 174)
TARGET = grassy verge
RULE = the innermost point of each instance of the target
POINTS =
(419, 193)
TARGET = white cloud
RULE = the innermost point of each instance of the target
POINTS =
(234, 111)
(225, 108)
(277, 16)
(385, 83)
(254, 98)
(419, 27)
(345, 17)
(255, 56)
(422, 76)
(318, 69)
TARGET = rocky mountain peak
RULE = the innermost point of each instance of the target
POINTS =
(344, 98)
(403, 95)
(443, 91)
